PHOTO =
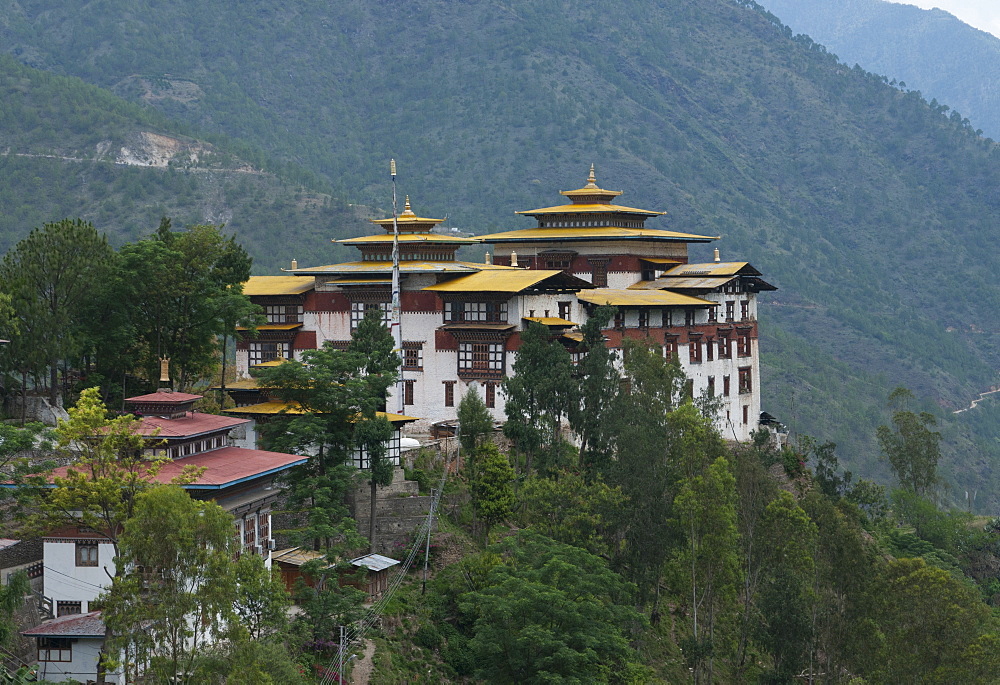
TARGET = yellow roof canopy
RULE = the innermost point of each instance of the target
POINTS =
(276, 407)
(277, 285)
(549, 320)
(592, 233)
(407, 238)
(712, 269)
(590, 209)
(497, 281)
(642, 298)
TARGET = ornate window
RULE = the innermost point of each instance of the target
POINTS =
(475, 312)
(746, 379)
(260, 352)
(730, 310)
(449, 393)
(86, 553)
(413, 356)
(480, 359)
(408, 392)
(599, 272)
(283, 313)
(359, 309)
(743, 345)
(491, 395)
(695, 350)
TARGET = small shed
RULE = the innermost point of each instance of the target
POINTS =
(289, 563)
(379, 569)
(69, 648)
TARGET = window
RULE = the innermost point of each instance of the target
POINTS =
(480, 358)
(68, 608)
(725, 347)
(86, 554)
(449, 393)
(695, 350)
(670, 348)
(746, 414)
(725, 386)
(408, 392)
(745, 312)
(491, 395)
(599, 272)
(564, 309)
(283, 313)
(709, 349)
(413, 356)
(261, 352)
(619, 320)
(688, 317)
(643, 319)
(263, 528)
(746, 380)
(743, 346)
(558, 261)
(668, 318)
(358, 310)
(730, 309)
(55, 649)
(713, 314)
(475, 312)
(711, 386)
(250, 533)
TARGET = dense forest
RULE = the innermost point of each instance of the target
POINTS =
(867, 205)
(930, 50)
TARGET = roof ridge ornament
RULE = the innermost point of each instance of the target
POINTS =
(591, 179)
(407, 212)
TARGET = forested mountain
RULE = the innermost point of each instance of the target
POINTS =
(930, 50)
(871, 210)
(70, 149)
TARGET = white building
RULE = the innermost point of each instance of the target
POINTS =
(461, 321)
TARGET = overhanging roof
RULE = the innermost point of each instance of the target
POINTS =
(599, 233)
(408, 238)
(510, 281)
(277, 285)
(589, 209)
(406, 267)
(714, 269)
(642, 298)
(276, 407)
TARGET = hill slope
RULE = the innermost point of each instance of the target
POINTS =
(869, 208)
(930, 50)
(69, 149)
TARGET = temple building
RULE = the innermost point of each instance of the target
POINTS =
(461, 321)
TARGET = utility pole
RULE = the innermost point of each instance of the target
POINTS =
(430, 529)
(340, 657)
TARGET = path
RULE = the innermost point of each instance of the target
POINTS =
(362, 670)
(982, 396)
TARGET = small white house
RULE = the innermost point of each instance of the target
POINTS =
(69, 648)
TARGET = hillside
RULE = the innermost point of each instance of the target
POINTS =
(866, 206)
(69, 149)
(930, 50)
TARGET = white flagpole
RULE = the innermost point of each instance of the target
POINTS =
(396, 321)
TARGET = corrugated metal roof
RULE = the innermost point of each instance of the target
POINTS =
(710, 269)
(277, 285)
(586, 209)
(597, 233)
(374, 562)
(360, 280)
(706, 283)
(296, 556)
(165, 397)
(641, 298)
(76, 625)
(274, 327)
(270, 364)
(495, 281)
(406, 267)
(549, 320)
(275, 407)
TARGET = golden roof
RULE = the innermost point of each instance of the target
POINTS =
(711, 269)
(273, 327)
(549, 320)
(267, 365)
(407, 238)
(277, 285)
(406, 267)
(599, 233)
(589, 209)
(276, 407)
(513, 281)
(360, 280)
(591, 189)
(641, 298)
(407, 220)
(700, 283)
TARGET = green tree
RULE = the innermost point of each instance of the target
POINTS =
(474, 420)
(597, 384)
(372, 343)
(551, 613)
(572, 510)
(183, 288)
(11, 599)
(49, 276)
(492, 486)
(178, 590)
(539, 395)
(261, 602)
(913, 449)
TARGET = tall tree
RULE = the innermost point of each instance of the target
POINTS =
(597, 384)
(180, 287)
(539, 395)
(474, 420)
(913, 449)
(492, 485)
(49, 276)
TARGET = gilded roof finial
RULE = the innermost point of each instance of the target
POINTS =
(591, 180)
(407, 212)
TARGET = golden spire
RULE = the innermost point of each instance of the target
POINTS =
(407, 212)
(591, 180)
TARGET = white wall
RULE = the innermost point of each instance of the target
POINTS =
(82, 668)
(65, 581)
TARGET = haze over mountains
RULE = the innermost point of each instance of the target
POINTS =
(930, 50)
(871, 210)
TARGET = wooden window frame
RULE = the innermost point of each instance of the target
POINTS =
(55, 649)
(745, 380)
(726, 385)
(408, 392)
(88, 554)
(449, 393)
